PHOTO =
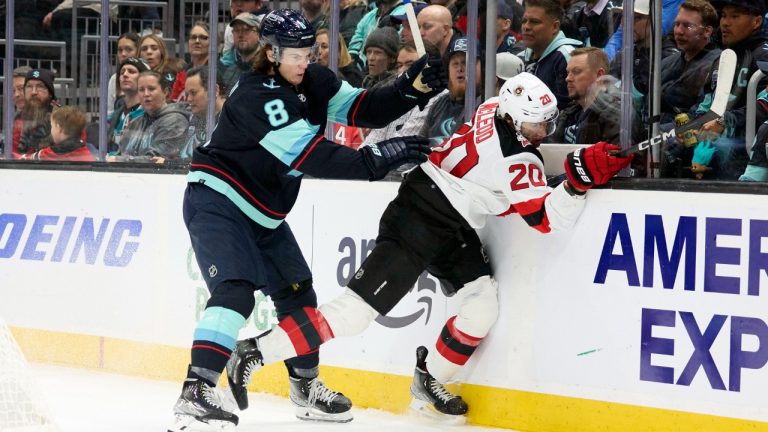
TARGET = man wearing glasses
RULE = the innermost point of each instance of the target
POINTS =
(684, 73)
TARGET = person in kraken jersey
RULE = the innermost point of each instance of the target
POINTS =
(244, 181)
(488, 167)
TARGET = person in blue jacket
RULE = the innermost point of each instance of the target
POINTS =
(669, 9)
(243, 183)
(547, 49)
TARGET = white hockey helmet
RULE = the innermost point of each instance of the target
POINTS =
(529, 102)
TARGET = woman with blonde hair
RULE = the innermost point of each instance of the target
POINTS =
(347, 69)
(153, 51)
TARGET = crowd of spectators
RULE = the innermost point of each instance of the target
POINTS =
(158, 102)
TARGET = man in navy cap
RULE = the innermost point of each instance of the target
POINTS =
(402, 19)
(722, 141)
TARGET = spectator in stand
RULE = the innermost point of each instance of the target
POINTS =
(33, 131)
(127, 46)
(402, 20)
(19, 76)
(757, 169)
(436, 26)
(128, 104)
(507, 66)
(721, 144)
(684, 74)
(381, 52)
(505, 41)
(316, 12)
(669, 10)
(198, 45)
(237, 7)
(159, 134)
(153, 51)
(67, 128)
(377, 17)
(245, 28)
(547, 49)
(594, 112)
(447, 112)
(196, 88)
(347, 69)
(352, 11)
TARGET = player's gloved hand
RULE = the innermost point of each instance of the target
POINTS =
(389, 154)
(594, 165)
(424, 79)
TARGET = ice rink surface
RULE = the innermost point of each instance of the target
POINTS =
(90, 401)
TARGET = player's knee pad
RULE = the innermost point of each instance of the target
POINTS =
(479, 307)
(293, 297)
(348, 314)
(236, 295)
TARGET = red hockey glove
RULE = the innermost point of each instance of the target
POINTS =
(594, 165)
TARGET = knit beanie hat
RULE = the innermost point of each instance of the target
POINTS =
(43, 75)
(385, 38)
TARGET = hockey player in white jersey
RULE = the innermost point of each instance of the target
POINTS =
(489, 167)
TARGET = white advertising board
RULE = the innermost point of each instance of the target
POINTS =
(654, 299)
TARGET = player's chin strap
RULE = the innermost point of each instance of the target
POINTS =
(523, 140)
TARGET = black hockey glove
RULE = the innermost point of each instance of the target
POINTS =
(389, 154)
(424, 79)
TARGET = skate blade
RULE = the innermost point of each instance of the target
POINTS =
(191, 424)
(425, 409)
(313, 414)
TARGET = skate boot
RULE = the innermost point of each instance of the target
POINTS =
(202, 407)
(245, 360)
(315, 401)
(431, 398)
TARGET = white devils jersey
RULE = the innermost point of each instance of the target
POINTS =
(484, 173)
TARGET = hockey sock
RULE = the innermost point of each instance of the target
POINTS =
(214, 340)
(302, 332)
(453, 349)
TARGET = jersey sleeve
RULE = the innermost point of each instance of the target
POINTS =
(373, 108)
(522, 180)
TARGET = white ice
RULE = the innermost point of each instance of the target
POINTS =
(90, 401)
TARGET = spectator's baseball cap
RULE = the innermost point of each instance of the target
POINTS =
(460, 45)
(399, 19)
(642, 7)
(755, 7)
(508, 65)
(504, 10)
(138, 63)
(385, 38)
(248, 19)
(43, 75)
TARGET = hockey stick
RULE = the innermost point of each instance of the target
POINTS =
(414, 25)
(726, 71)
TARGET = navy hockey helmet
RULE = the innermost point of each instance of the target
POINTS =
(287, 28)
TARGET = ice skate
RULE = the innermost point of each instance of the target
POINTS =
(202, 407)
(245, 360)
(430, 398)
(315, 401)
